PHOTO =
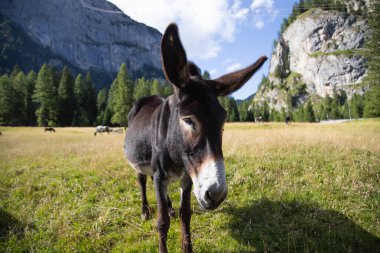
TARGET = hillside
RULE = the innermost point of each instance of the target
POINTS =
(317, 55)
(91, 35)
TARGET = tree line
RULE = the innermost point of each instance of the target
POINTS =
(50, 98)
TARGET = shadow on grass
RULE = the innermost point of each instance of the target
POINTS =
(10, 225)
(268, 226)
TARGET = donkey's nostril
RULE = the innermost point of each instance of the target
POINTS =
(208, 196)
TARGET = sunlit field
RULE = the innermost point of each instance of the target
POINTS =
(298, 188)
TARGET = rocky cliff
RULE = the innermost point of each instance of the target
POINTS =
(317, 54)
(91, 35)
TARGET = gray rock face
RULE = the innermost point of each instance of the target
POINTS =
(321, 47)
(90, 34)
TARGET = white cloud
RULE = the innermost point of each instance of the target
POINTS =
(213, 72)
(234, 67)
(204, 25)
(263, 11)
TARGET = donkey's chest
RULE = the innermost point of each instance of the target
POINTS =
(173, 172)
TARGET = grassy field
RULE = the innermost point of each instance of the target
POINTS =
(301, 188)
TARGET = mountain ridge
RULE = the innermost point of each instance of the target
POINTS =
(92, 36)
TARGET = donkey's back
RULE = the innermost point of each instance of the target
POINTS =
(138, 140)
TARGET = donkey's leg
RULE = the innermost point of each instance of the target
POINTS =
(163, 219)
(185, 213)
(170, 208)
(144, 204)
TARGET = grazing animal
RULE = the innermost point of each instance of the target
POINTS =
(180, 137)
(49, 129)
(259, 119)
(117, 130)
(288, 120)
(101, 129)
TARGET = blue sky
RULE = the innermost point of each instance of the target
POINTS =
(218, 35)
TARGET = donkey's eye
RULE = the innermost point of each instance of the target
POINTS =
(188, 121)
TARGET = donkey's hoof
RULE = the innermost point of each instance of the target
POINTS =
(172, 213)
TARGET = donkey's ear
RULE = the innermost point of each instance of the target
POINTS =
(231, 82)
(174, 57)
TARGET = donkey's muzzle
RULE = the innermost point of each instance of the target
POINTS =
(210, 187)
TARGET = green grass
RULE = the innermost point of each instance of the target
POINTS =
(345, 53)
(302, 188)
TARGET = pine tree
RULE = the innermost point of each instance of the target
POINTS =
(90, 99)
(142, 89)
(265, 111)
(44, 96)
(101, 104)
(15, 70)
(5, 100)
(243, 110)
(309, 114)
(80, 113)
(206, 75)
(31, 119)
(156, 88)
(123, 97)
(372, 96)
(356, 106)
(167, 90)
(19, 99)
(66, 98)
(233, 113)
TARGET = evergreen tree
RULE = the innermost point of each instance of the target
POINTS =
(66, 98)
(142, 89)
(31, 119)
(108, 113)
(327, 108)
(265, 111)
(5, 100)
(309, 115)
(90, 99)
(19, 99)
(335, 112)
(300, 114)
(206, 75)
(167, 90)
(155, 88)
(44, 96)
(233, 113)
(15, 70)
(243, 110)
(372, 96)
(123, 97)
(80, 113)
(356, 106)
(101, 104)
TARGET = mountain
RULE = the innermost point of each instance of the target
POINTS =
(85, 35)
(318, 54)
(248, 99)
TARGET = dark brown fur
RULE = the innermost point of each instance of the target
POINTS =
(180, 137)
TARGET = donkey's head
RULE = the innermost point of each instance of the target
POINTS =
(200, 117)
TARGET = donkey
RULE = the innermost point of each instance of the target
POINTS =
(49, 129)
(101, 129)
(180, 137)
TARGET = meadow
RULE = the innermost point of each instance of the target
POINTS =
(299, 188)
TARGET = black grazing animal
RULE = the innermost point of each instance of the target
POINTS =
(49, 129)
(288, 120)
(180, 137)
